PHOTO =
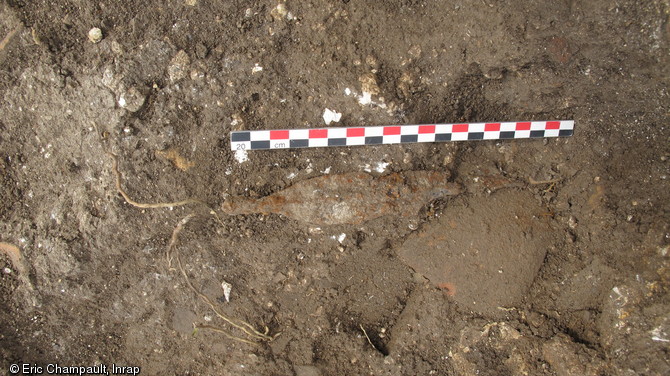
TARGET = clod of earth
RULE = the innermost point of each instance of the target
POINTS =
(15, 257)
(173, 155)
(350, 198)
(18, 262)
(484, 253)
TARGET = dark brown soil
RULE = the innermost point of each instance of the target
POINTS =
(170, 80)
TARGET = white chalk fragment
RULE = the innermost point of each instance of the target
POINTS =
(381, 166)
(658, 335)
(330, 116)
(227, 287)
(378, 167)
(241, 155)
(365, 99)
(340, 238)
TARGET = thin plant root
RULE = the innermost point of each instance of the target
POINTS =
(174, 237)
(245, 327)
(117, 174)
(367, 337)
(132, 202)
(225, 333)
(9, 37)
(536, 182)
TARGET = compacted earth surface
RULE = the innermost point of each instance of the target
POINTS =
(545, 257)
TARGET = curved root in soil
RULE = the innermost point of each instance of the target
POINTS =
(244, 326)
(251, 333)
(132, 202)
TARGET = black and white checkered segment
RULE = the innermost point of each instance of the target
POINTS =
(397, 134)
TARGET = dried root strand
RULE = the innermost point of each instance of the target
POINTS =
(245, 327)
(225, 333)
(536, 182)
(365, 333)
(248, 329)
(117, 175)
(175, 236)
(132, 202)
(9, 36)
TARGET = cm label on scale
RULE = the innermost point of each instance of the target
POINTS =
(249, 145)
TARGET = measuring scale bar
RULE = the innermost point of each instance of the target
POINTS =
(397, 134)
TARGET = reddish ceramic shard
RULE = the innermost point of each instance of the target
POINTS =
(351, 198)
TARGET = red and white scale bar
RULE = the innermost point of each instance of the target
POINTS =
(397, 134)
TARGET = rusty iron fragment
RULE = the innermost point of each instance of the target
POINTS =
(350, 198)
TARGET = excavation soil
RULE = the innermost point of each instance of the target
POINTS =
(552, 261)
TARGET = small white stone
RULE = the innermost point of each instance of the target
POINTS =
(381, 166)
(241, 156)
(227, 287)
(257, 68)
(131, 99)
(279, 11)
(365, 99)
(572, 222)
(330, 116)
(413, 225)
(95, 35)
